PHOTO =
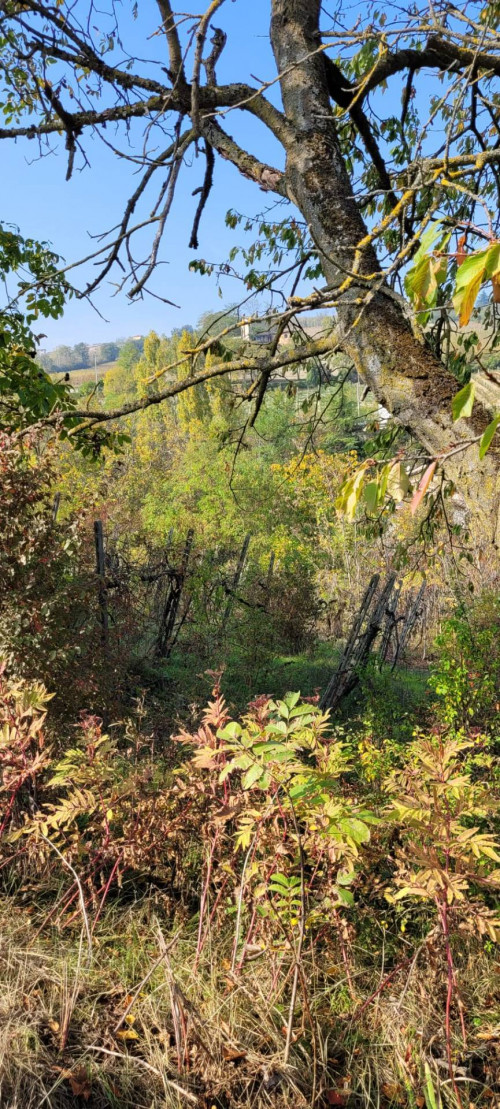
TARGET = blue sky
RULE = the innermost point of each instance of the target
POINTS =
(35, 196)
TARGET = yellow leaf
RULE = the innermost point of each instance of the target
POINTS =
(127, 1034)
(469, 300)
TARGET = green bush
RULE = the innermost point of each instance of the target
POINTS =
(467, 673)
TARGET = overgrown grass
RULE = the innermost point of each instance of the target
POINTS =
(389, 702)
(176, 987)
(138, 1024)
(182, 680)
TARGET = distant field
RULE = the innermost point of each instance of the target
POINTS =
(79, 377)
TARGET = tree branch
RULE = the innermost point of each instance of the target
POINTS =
(269, 178)
(328, 345)
(204, 194)
(83, 119)
(178, 75)
(437, 54)
(342, 91)
(200, 42)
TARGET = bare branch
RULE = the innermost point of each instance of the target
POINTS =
(174, 47)
(439, 53)
(204, 194)
(200, 42)
(269, 178)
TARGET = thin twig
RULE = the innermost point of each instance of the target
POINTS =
(142, 983)
(153, 1070)
(80, 893)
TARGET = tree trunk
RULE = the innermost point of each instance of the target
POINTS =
(403, 374)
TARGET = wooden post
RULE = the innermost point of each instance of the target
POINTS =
(390, 624)
(235, 581)
(167, 623)
(100, 570)
(335, 686)
(270, 570)
(409, 624)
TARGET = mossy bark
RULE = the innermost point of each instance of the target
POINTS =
(402, 372)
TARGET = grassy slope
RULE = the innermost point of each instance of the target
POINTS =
(80, 377)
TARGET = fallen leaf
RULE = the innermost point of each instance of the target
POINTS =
(127, 1034)
(63, 1071)
(79, 1083)
(333, 1097)
(394, 1092)
(233, 1055)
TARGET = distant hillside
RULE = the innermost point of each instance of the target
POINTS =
(84, 356)
(80, 377)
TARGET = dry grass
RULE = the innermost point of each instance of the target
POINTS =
(80, 377)
(142, 1026)
(69, 1030)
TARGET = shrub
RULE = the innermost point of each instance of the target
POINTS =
(37, 563)
(467, 674)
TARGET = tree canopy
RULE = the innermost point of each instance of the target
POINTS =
(384, 203)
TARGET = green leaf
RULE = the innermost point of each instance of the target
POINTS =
(282, 709)
(398, 482)
(478, 267)
(280, 879)
(431, 1100)
(303, 710)
(493, 260)
(488, 436)
(351, 494)
(428, 238)
(346, 879)
(472, 267)
(462, 403)
(428, 271)
(421, 283)
(371, 494)
(231, 731)
(355, 828)
(251, 776)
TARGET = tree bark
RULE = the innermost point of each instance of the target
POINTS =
(402, 372)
